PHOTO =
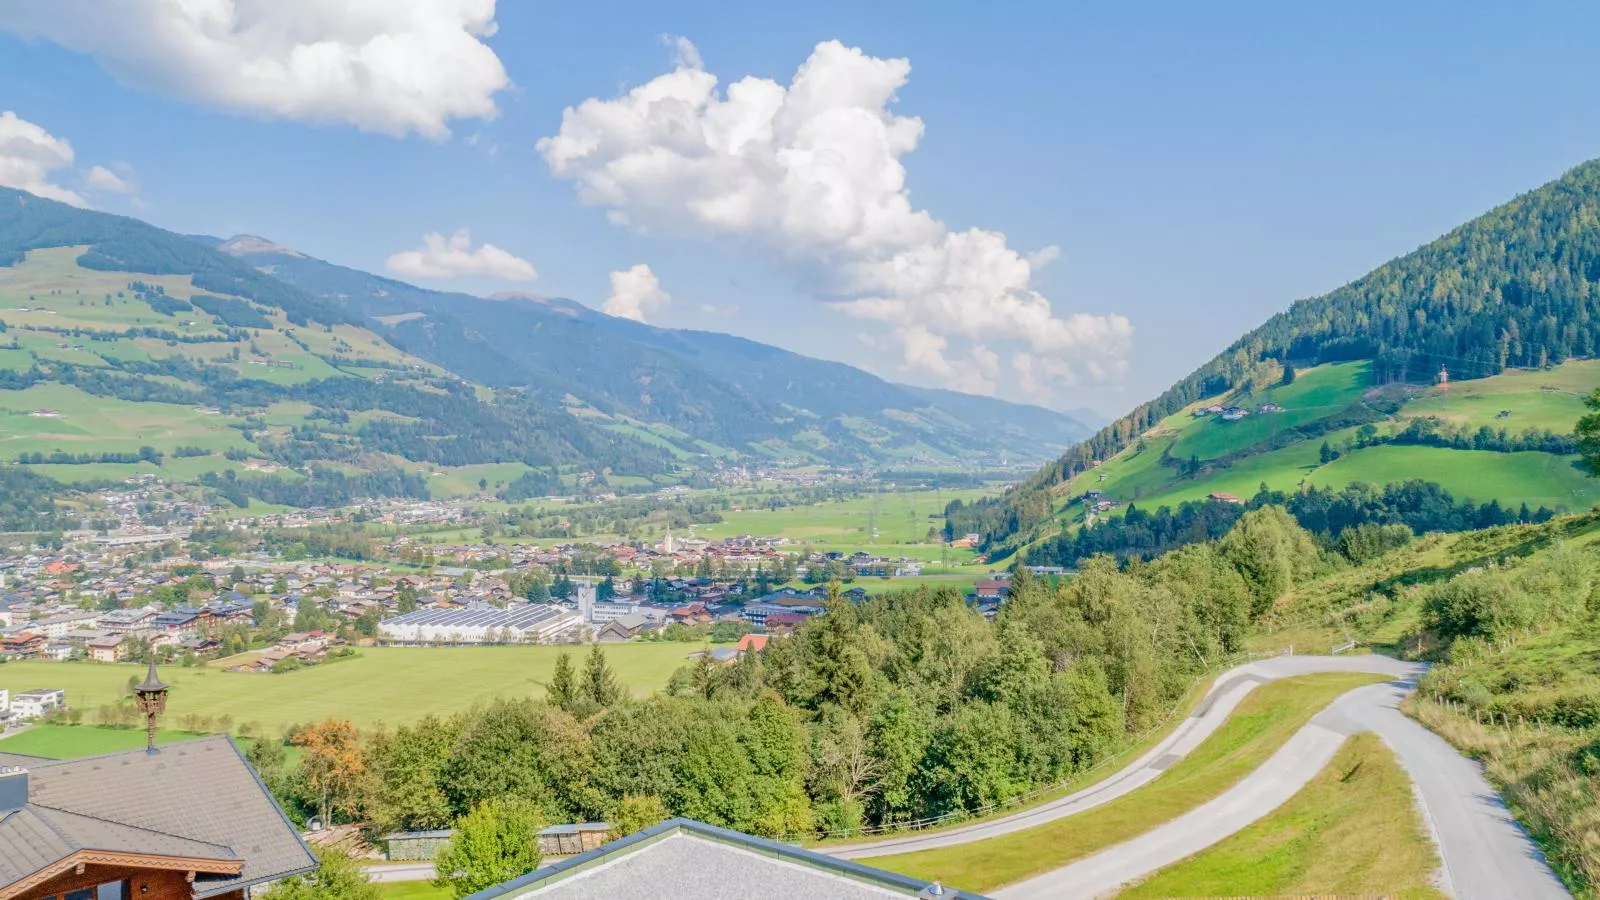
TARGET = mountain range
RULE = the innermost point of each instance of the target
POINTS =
(305, 362)
(717, 388)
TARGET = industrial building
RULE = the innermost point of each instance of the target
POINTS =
(525, 623)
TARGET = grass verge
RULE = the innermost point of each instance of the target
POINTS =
(1353, 831)
(1546, 776)
(412, 890)
(1262, 723)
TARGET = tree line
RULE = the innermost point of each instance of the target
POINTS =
(1326, 512)
(898, 708)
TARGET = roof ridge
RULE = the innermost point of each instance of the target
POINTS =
(54, 763)
(51, 826)
(128, 825)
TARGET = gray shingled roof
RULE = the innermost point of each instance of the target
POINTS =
(36, 836)
(195, 799)
(682, 858)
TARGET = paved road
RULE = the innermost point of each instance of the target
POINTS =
(1219, 702)
(1485, 853)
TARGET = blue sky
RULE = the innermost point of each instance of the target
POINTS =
(1197, 168)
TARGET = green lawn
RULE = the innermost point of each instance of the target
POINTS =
(463, 480)
(1261, 724)
(1537, 479)
(1551, 399)
(72, 741)
(900, 518)
(964, 582)
(1481, 475)
(390, 685)
(1353, 831)
(1281, 470)
(413, 890)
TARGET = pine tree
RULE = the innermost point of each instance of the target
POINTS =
(563, 683)
(600, 683)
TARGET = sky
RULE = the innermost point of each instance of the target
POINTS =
(1068, 204)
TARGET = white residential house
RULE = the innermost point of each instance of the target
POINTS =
(35, 703)
(59, 626)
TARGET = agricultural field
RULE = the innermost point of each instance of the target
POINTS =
(877, 522)
(462, 481)
(84, 423)
(1537, 479)
(1551, 399)
(1316, 394)
(391, 685)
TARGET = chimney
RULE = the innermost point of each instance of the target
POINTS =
(13, 788)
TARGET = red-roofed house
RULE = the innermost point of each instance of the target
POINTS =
(991, 588)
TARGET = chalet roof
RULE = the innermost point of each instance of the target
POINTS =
(198, 799)
(685, 858)
(34, 837)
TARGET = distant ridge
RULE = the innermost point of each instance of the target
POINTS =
(718, 389)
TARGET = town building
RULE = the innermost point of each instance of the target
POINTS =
(518, 623)
(59, 626)
(37, 702)
(23, 645)
(123, 621)
(105, 649)
(625, 628)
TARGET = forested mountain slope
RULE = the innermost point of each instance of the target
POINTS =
(1512, 288)
(715, 388)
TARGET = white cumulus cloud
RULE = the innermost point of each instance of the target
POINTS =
(812, 172)
(122, 181)
(28, 156)
(455, 257)
(635, 292)
(388, 66)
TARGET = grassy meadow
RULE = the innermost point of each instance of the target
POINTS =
(390, 685)
(895, 524)
(1316, 394)
(1353, 831)
(1515, 401)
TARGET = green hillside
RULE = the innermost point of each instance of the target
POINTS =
(1502, 304)
(126, 350)
(1237, 457)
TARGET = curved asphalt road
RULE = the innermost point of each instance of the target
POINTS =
(1226, 693)
(1485, 853)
